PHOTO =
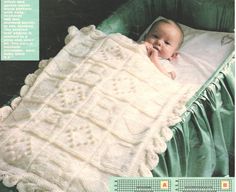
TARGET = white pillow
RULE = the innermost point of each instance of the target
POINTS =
(201, 53)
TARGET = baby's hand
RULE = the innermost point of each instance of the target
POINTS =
(172, 75)
(151, 52)
(149, 48)
(153, 55)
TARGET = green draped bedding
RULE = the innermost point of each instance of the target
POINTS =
(203, 143)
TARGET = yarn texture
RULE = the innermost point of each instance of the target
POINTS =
(99, 108)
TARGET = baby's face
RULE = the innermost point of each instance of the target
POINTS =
(165, 38)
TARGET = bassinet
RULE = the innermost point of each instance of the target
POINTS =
(203, 143)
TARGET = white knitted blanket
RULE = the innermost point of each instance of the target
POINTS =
(99, 108)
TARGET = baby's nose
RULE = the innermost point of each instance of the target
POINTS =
(159, 42)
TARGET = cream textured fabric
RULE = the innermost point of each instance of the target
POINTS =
(99, 108)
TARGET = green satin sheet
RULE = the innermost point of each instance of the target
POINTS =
(203, 143)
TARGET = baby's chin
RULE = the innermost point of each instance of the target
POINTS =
(163, 56)
(167, 57)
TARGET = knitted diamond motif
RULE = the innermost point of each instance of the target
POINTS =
(70, 96)
(78, 135)
(123, 85)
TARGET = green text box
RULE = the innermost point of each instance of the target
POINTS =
(19, 30)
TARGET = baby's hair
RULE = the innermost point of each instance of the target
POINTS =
(169, 21)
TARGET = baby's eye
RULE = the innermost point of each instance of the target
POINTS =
(167, 42)
(155, 36)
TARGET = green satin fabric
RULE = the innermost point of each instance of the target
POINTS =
(203, 143)
(3, 188)
(132, 18)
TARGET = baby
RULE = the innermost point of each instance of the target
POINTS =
(162, 42)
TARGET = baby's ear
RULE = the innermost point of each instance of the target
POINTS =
(174, 56)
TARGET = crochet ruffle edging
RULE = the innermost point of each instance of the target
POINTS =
(29, 183)
(157, 144)
(90, 31)
(25, 183)
(28, 82)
